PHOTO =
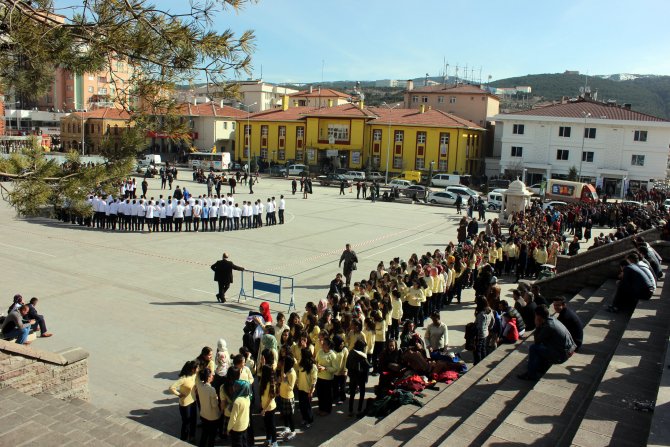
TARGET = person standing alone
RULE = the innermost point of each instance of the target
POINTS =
(350, 259)
(223, 275)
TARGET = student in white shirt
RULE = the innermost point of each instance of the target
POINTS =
(163, 216)
(149, 215)
(178, 215)
(230, 215)
(213, 214)
(237, 215)
(282, 207)
(188, 215)
(197, 212)
(223, 215)
(169, 214)
(141, 215)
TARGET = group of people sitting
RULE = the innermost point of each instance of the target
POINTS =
(21, 320)
(180, 212)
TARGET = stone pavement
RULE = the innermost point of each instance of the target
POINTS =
(143, 304)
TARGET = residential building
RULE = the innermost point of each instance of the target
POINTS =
(319, 97)
(390, 83)
(213, 127)
(256, 94)
(93, 127)
(467, 101)
(18, 122)
(607, 144)
(356, 137)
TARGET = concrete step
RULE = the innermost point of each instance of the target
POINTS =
(46, 420)
(506, 389)
(441, 415)
(554, 406)
(630, 384)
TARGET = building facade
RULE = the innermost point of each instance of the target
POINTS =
(319, 97)
(466, 101)
(93, 128)
(254, 94)
(608, 145)
(353, 136)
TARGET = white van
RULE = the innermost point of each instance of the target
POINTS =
(148, 160)
(298, 169)
(445, 180)
(495, 199)
(355, 176)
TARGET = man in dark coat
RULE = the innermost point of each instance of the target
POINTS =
(223, 274)
(570, 320)
(350, 259)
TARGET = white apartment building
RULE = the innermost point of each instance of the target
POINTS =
(609, 145)
(255, 95)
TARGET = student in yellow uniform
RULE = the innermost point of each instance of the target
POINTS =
(326, 365)
(287, 381)
(268, 390)
(209, 407)
(340, 377)
(184, 388)
(307, 378)
(206, 359)
(355, 334)
(396, 313)
(380, 339)
(415, 297)
(240, 414)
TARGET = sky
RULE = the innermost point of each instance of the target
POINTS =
(310, 40)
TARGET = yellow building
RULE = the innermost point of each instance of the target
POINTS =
(354, 137)
(97, 125)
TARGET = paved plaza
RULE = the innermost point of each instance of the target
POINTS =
(142, 304)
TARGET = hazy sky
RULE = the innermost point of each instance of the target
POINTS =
(377, 39)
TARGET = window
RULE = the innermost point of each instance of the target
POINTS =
(440, 99)
(415, 98)
(424, 99)
(376, 161)
(517, 151)
(298, 155)
(225, 124)
(452, 100)
(69, 88)
(587, 157)
(339, 132)
(564, 132)
(399, 136)
(282, 131)
(518, 129)
(397, 162)
(442, 165)
(102, 79)
(233, 125)
(264, 131)
(640, 135)
(300, 132)
(90, 89)
(562, 154)
(247, 130)
(420, 163)
(377, 135)
(637, 160)
(421, 137)
(102, 91)
(281, 154)
(590, 133)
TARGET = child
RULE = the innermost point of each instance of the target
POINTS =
(268, 389)
(341, 354)
(288, 378)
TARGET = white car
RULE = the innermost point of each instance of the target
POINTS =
(294, 170)
(552, 204)
(375, 175)
(441, 198)
(400, 184)
(535, 189)
(354, 176)
(666, 204)
(462, 191)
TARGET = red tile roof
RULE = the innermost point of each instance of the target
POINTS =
(598, 110)
(278, 114)
(211, 109)
(104, 113)
(414, 117)
(344, 110)
(451, 88)
(323, 93)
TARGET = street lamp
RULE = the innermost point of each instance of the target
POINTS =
(581, 155)
(248, 129)
(388, 143)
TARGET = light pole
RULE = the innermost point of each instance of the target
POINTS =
(83, 135)
(581, 155)
(388, 143)
(248, 129)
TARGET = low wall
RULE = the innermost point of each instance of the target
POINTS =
(593, 274)
(564, 263)
(63, 374)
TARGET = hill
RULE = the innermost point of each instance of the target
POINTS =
(647, 94)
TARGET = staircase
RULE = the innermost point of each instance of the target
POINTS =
(600, 396)
(47, 421)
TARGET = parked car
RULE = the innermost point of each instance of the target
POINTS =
(400, 184)
(332, 180)
(552, 204)
(666, 204)
(375, 175)
(412, 176)
(441, 198)
(495, 199)
(295, 170)
(462, 191)
(354, 175)
(535, 189)
(415, 192)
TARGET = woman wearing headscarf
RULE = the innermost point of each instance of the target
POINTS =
(239, 414)
(184, 388)
(222, 363)
(265, 312)
(269, 342)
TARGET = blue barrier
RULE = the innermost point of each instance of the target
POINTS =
(269, 284)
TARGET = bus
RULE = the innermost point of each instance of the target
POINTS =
(570, 191)
(217, 161)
